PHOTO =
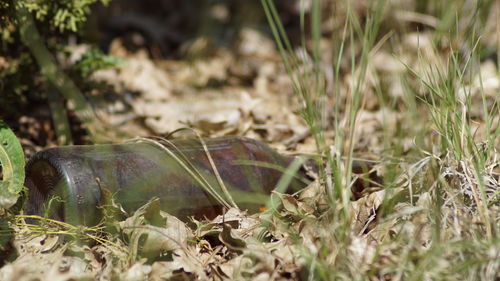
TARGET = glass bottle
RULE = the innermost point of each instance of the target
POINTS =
(176, 172)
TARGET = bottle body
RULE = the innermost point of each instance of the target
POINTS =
(136, 172)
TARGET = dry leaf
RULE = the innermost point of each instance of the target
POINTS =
(153, 232)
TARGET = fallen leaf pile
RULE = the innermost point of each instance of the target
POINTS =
(421, 213)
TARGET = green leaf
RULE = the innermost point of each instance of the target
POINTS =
(12, 161)
(231, 240)
(94, 60)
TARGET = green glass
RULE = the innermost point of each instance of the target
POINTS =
(136, 172)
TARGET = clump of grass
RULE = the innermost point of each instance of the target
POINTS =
(439, 219)
(38, 225)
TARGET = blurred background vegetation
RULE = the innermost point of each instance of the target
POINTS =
(37, 35)
(182, 29)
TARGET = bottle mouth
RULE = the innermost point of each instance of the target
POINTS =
(42, 178)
